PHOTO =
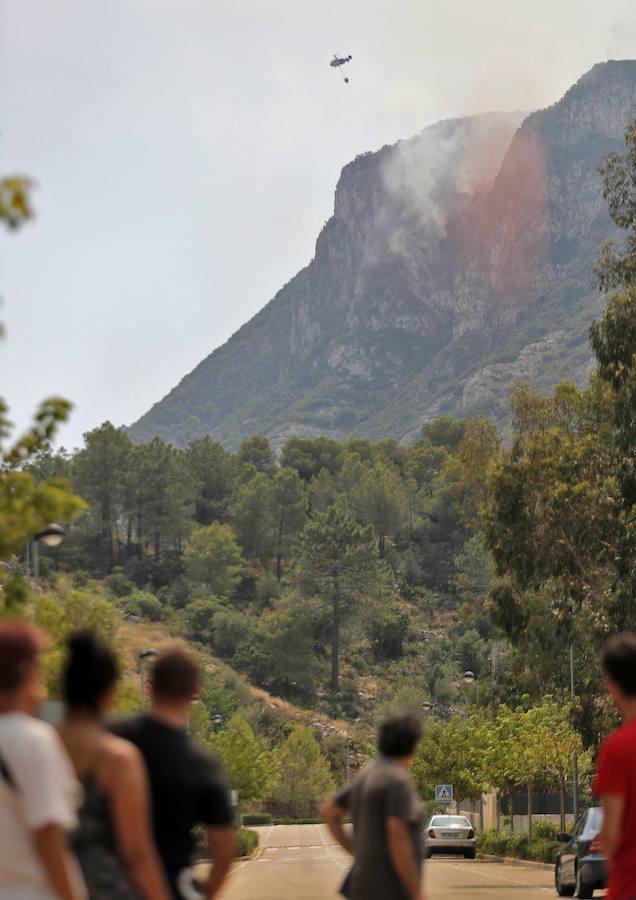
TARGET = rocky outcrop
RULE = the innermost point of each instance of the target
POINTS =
(454, 263)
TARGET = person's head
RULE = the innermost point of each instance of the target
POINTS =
(399, 735)
(175, 680)
(90, 674)
(20, 678)
(619, 666)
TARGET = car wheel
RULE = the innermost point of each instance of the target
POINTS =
(582, 890)
(470, 854)
(563, 890)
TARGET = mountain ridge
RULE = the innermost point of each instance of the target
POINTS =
(454, 263)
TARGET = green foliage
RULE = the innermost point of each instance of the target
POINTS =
(213, 558)
(305, 777)
(445, 432)
(256, 452)
(387, 631)
(617, 269)
(26, 504)
(64, 613)
(379, 498)
(118, 584)
(143, 603)
(451, 752)
(247, 842)
(224, 693)
(288, 511)
(15, 200)
(248, 761)
(309, 456)
(199, 620)
(278, 654)
(99, 472)
(259, 818)
(338, 562)
(542, 848)
(213, 470)
(251, 512)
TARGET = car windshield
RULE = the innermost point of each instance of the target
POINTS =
(449, 821)
(594, 820)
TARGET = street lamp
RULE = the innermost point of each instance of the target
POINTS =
(470, 678)
(51, 536)
(143, 656)
(575, 761)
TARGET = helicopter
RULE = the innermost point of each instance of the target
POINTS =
(339, 61)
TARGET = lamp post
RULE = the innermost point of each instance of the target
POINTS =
(575, 761)
(469, 677)
(51, 536)
(143, 656)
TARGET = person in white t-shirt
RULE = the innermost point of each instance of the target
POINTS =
(38, 790)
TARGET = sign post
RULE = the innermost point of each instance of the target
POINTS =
(444, 794)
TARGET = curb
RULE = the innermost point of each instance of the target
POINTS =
(512, 861)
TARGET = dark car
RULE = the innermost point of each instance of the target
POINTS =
(580, 867)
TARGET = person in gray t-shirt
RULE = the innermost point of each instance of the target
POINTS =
(387, 819)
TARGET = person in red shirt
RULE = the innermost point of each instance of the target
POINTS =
(616, 771)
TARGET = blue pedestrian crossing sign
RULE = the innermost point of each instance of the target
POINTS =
(443, 793)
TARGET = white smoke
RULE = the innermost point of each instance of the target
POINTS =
(424, 176)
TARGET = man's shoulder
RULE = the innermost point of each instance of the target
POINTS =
(27, 728)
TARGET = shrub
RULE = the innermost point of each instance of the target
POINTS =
(198, 616)
(545, 830)
(118, 584)
(543, 847)
(543, 850)
(258, 818)
(518, 845)
(387, 634)
(229, 627)
(492, 843)
(287, 820)
(80, 578)
(247, 841)
(142, 603)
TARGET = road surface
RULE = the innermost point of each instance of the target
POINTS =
(301, 862)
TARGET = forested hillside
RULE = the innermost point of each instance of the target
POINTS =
(337, 574)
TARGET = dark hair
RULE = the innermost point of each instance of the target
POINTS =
(19, 646)
(398, 735)
(619, 662)
(90, 671)
(175, 675)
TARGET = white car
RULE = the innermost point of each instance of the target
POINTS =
(449, 834)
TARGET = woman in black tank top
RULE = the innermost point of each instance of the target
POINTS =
(113, 842)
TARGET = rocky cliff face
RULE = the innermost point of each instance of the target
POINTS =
(454, 263)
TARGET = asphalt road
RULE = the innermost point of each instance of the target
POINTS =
(301, 862)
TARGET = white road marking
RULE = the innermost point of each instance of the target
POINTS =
(477, 871)
(329, 848)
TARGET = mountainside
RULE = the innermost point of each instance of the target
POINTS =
(455, 263)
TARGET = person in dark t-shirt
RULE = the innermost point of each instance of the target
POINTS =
(616, 771)
(187, 783)
(387, 820)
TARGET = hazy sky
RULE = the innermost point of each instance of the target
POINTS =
(186, 154)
